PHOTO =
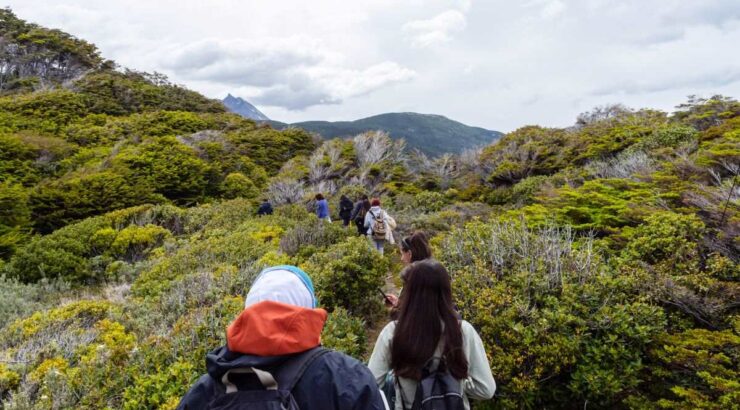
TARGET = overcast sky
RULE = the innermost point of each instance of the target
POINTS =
(496, 64)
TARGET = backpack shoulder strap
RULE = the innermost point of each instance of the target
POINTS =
(292, 370)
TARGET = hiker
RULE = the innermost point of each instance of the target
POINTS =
(322, 208)
(430, 343)
(265, 208)
(414, 247)
(379, 225)
(273, 352)
(358, 214)
(345, 209)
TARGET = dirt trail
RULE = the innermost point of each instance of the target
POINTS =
(390, 288)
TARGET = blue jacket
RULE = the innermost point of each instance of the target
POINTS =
(265, 209)
(322, 209)
(333, 381)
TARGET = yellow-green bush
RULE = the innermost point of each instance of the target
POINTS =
(134, 241)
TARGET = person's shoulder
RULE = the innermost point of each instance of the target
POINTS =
(341, 365)
(467, 328)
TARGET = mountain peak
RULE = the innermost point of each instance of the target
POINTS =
(242, 107)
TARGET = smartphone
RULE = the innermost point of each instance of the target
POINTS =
(383, 293)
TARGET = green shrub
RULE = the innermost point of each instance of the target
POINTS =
(348, 275)
(9, 380)
(536, 298)
(167, 166)
(62, 254)
(14, 217)
(133, 242)
(237, 185)
(698, 369)
(58, 203)
(666, 237)
(162, 389)
(311, 234)
(428, 201)
(345, 333)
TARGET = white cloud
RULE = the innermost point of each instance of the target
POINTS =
(438, 29)
(293, 73)
(495, 63)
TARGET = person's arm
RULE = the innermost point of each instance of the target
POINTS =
(380, 359)
(480, 384)
(368, 222)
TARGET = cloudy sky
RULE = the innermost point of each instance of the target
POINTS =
(496, 64)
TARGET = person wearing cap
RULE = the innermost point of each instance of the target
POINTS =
(281, 321)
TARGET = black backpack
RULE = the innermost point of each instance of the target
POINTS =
(437, 389)
(277, 386)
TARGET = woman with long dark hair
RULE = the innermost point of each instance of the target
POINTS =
(428, 327)
(414, 248)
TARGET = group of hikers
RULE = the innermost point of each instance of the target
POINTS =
(367, 215)
(426, 357)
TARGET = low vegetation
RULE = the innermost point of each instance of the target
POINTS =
(598, 262)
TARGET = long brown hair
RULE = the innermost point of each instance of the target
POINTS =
(426, 316)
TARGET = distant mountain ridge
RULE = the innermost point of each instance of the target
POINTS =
(432, 134)
(244, 108)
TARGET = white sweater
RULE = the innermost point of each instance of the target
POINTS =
(479, 384)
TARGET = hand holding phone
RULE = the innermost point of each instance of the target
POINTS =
(390, 300)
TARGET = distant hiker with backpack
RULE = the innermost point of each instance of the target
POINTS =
(345, 209)
(358, 214)
(322, 208)
(265, 208)
(379, 225)
(429, 358)
(273, 358)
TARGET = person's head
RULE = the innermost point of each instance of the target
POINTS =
(280, 315)
(363, 197)
(344, 198)
(415, 248)
(319, 197)
(375, 202)
(426, 316)
(284, 284)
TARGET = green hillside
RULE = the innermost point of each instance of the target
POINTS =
(598, 262)
(432, 134)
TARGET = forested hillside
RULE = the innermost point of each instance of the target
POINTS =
(431, 134)
(598, 262)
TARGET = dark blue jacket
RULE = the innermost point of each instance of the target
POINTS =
(265, 209)
(334, 381)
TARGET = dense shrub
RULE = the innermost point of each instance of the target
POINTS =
(61, 202)
(14, 217)
(237, 185)
(536, 298)
(345, 333)
(348, 275)
(134, 241)
(311, 236)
